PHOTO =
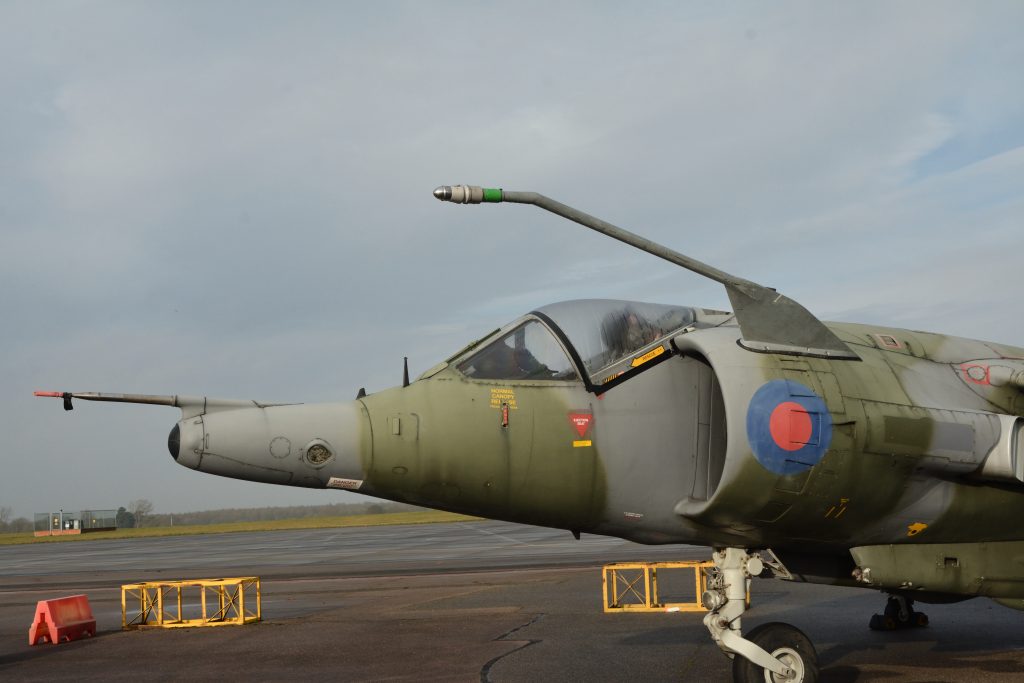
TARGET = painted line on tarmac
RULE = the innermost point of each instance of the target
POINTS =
(495, 533)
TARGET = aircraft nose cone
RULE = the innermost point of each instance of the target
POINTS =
(174, 442)
(185, 442)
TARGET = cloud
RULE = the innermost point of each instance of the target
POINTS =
(235, 201)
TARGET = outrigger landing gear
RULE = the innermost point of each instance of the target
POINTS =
(771, 653)
(899, 613)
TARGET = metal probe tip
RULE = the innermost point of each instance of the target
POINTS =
(468, 194)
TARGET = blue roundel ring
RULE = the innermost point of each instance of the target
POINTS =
(788, 426)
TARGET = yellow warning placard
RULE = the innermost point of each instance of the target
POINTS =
(503, 395)
(650, 355)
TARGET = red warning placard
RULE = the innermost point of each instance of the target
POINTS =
(581, 421)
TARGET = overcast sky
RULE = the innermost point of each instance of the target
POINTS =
(234, 198)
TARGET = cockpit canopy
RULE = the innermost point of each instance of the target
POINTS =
(603, 338)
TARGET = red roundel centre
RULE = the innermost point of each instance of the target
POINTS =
(790, 426)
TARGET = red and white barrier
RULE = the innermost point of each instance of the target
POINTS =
(62, 619)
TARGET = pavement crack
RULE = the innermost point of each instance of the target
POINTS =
(485, 672)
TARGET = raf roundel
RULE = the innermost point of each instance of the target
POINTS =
(789, 427)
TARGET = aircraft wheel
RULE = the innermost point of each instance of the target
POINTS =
(892, 610)
(891, 619)
(882, 622)
(786, 643)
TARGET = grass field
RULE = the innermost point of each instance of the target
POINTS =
(426, 517)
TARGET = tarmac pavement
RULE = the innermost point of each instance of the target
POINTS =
(481, 601)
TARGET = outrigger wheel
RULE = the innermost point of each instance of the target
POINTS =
(899, 614)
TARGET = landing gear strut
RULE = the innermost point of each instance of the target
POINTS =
(899, 613)
(771, 653)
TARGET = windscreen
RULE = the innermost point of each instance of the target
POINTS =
(528, 352)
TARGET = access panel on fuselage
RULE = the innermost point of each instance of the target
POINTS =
(557, 481)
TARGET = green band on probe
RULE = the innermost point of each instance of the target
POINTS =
(492, 194)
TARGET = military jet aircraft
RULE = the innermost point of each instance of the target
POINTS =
(834, 453)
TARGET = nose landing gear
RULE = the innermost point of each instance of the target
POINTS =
(773, 652)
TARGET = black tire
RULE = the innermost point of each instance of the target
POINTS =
(892, 610)
(780, 640)
(881, 622)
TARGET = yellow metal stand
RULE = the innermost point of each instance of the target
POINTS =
(633, 586)
(221, 602)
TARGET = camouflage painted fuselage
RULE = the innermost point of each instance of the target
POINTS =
(903, 461)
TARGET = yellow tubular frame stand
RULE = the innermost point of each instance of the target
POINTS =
(221, 602)
(633, 586)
